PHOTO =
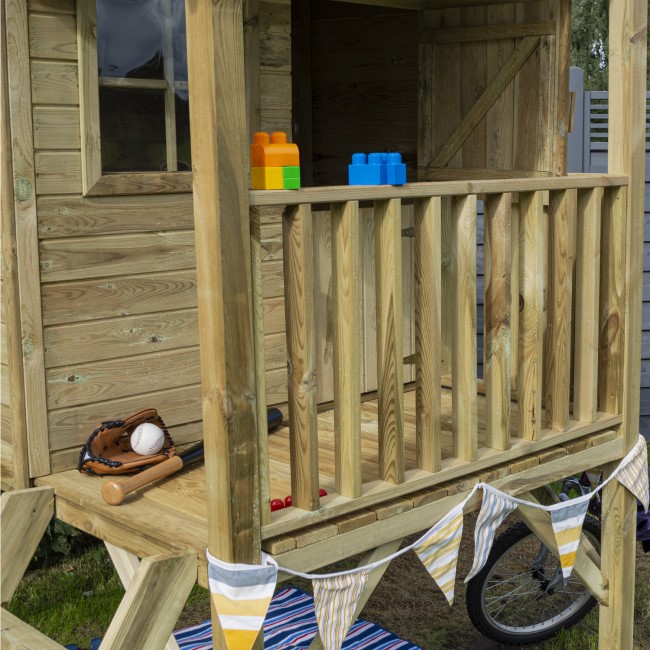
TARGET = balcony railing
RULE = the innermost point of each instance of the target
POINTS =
(553, 324)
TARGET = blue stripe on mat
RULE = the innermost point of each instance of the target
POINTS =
(291, 625)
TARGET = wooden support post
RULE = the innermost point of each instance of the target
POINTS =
(152, 603)
(463, 328)
(498, 250)
(628, 24)
(558, 353)
(585, 373)
(260, 369)
(427, 259)
(126, 565)
(390, 384)
(25, 515)
(215, 56)
(25, 219)
(301, 351)
(346, 280)
(531, 323)
(18, 464)
(612, 301)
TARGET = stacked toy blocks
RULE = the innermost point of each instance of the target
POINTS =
(275, 163)
(377, 169)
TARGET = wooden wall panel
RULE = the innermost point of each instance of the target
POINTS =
(58, 172)
(53, 36)
(515, 133)
(118, 272)
(55, 83)
(56, 127)
(364, 85)
(113, 378)
(70, 302)
(93, 257)
(70, 427)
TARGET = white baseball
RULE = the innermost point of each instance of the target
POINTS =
(147, 439)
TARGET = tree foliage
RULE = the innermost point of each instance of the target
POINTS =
(589, 42)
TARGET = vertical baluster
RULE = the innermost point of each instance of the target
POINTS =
(612, 300)
(498, 248)
(301, 351)
(260, 371)
(561, 209)
(585, 389)
(463, 327)
(531, 315)
(427, 249)
(514, 293)
(346, 276)
(446, 287)
(388, 251)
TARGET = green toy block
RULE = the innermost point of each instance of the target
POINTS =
(291, 183)
(291, 172)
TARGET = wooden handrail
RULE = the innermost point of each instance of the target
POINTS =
(341, 193)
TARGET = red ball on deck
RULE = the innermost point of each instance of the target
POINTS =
(288, 501)
(277, 504)
(322, 492)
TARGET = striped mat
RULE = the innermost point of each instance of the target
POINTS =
(291, 625)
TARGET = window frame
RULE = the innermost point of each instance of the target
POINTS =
(94, 181)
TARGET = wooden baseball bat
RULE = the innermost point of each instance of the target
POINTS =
(115, 491)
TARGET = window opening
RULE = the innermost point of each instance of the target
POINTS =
(143, 91)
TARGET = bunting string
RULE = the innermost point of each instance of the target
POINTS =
(242, 593)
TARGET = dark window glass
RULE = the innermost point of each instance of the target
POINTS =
(143, 98)
(132, 124)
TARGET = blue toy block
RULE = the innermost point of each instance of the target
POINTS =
(360, 173)
(376, 169)
(395, 169)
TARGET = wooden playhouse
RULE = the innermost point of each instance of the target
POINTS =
(129, 281)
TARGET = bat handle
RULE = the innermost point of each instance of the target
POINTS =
(115, 491)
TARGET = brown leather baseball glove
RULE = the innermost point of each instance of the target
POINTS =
(108, 450)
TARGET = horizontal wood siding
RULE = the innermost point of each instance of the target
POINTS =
(118, 277)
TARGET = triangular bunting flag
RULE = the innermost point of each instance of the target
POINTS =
(567, 526)
(241, 595)
(335, 599)
(438, 551)
(494, 510)
(634, 474)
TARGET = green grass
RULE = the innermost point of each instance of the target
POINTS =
(71, 602)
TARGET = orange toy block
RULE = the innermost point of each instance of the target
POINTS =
(273, 151)
(267, 178)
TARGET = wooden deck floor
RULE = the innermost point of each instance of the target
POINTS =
(172, 514)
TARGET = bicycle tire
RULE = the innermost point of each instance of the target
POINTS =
(510, 547)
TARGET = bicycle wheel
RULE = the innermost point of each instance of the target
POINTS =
(519, 596)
